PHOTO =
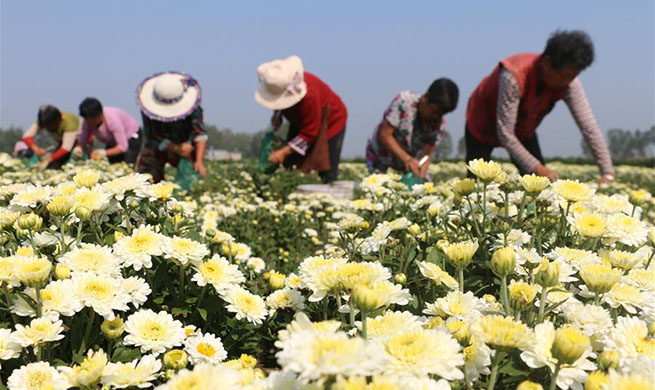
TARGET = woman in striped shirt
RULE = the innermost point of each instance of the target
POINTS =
(509, 104)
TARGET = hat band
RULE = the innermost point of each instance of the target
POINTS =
(186, 83)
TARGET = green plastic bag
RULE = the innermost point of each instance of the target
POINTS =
(186, 176)
(410, 180)
(269, 143)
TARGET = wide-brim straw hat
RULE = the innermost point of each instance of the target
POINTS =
(282, 83)
(168, 96)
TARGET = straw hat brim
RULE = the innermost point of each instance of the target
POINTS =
(280, 101)
(164, 112)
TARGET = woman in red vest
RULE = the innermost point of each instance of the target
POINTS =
(508, 105)
(316, 115)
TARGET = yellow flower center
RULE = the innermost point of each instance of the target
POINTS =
(206, 349)
(154, 331)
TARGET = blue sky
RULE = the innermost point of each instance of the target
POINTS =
(62, 51)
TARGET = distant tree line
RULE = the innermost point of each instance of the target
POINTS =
(623, 144)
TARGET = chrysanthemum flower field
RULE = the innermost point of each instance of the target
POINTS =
(504, 282)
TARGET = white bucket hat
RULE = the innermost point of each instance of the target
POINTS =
(281, 82)
(168, 96)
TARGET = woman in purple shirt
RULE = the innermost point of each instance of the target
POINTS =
(112, 126)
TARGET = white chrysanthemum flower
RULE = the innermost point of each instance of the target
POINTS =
(575, 257)
(538, 355)
(390, 323)
(57, 298)
(8, 270)
(31, 196)
(137, 250)
(515, 238)
(245, 304)
(320, 275)
(627, 230)
(421, 352)
(160, 191)
(301, 323)
(477, 356)
(88, 372)
(436, 274)
(628, 381)
(103, 294)
(92, 258)
(184, 250)
(285, 298)
(204, 377)
(37, 376)
(205, 348)
(465, 306)
(236, 250)
(256, 264)
(629, 337)
(373, 182)
(218, 272)
(313, 355)
(627, 296)
(138, 290)
(642, 278)
(9, 348)
(119, 186)
(137, 373)
(152, 331)
(39, 331)
(94, 199)
(614, 204)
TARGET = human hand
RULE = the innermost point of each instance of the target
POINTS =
(185, 149)
(77, 152)
(606, 180)
(542, 170)
(96, 154)
(278, 156)
(411, 165)
(199, 166)
(43, 164)
(39, 151)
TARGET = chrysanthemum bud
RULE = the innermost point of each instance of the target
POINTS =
(400, 278)
(548, 274)
(503, 261)
(176, 359)
(414, 230)
(62, 272)
(569, 345)
(434, 322)
(460, 331)
(608, 359)
(30, 222)
(34, 272)
(247, 361)
(522, 295)
(83, 213)
(595, 381)
(529, 385)
(276, 280)
(210, 233)
(87, 178)
(638, 197)
(464, 187)
(7, 219)
(366, 298)
(112, 329)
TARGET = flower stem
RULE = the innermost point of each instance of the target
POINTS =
(460, 272)
(542, 304)
(553, 378)
(87, 331)
(182, 291)
(495, 365)
(504, 297)
(364, 329)
(37, 290)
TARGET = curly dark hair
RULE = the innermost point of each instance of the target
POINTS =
(444, 93)
(570, 48)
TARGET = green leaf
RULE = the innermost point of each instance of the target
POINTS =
(123, 354)
(511, 370)
(203, 313)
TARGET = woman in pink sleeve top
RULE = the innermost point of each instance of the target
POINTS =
(111, 126)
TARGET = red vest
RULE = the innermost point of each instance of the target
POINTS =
(481, 111)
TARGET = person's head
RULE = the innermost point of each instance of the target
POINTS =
(567, 53)
(440, 99)
(91, 111)
(49, 117)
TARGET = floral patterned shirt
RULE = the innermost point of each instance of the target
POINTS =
(408, 132)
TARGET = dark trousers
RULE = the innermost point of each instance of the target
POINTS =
(334, 145)
(476, 149)
(133, 150)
